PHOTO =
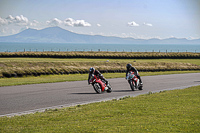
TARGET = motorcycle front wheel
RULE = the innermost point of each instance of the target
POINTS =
(140, 87)
(131, 85)
(109, 88)
(97, 88)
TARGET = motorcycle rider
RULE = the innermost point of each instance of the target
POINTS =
(97, 73)
(129, 67)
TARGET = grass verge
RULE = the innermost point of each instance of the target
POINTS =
(73, 77)
(167, 111)
(101, 54)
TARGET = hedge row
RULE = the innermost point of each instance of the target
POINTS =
(110, 55)
(61, 72)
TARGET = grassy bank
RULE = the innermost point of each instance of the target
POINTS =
(101, 54)
(19, 67)
(168, 111)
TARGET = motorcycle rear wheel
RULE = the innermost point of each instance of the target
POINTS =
(97, 88)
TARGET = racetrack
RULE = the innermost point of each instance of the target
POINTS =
(17, 100)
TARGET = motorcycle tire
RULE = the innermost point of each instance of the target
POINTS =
(97, 88)
(132, 85)
(109, 89)
(140, 88)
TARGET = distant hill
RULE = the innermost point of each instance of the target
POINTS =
(59, 35)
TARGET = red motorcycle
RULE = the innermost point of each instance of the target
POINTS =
(98, 85)
(134, 81)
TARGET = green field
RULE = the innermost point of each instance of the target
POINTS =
(166, 111)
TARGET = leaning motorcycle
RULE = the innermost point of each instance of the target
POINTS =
(98, 85)
(134, 81)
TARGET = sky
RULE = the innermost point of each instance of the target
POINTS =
(140, 19)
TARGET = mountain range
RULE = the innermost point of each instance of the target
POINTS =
(59, 35)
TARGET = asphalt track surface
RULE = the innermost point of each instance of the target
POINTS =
(25, 99)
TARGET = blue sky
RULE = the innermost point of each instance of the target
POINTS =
(123, 18)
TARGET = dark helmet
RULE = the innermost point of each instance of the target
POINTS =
(128, 66)
(92, 70)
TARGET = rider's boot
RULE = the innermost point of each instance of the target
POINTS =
(140, 80)
(107, 87)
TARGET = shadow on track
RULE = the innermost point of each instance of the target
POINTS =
(84, 93)
(122, 90)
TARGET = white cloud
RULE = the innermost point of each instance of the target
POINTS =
(133, 24)
(81, 23)
(98, 25)
(76, 23)
(68, 22)
(14, 24)
(34, 23)
(23, 21)
(54, 22)
(18, 20)
(147, 24)
(3, 21)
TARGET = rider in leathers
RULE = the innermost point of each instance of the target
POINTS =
(131, 68)
(97, 73)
